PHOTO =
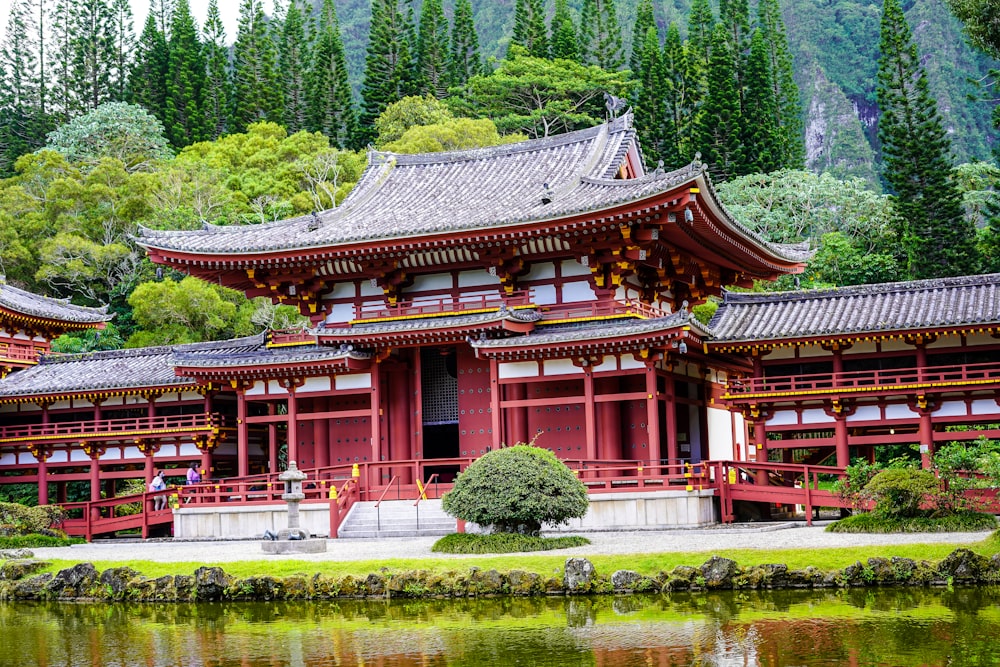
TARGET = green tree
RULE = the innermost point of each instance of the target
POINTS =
(938, 240)
(389, 65)
(682, 93)
(122, 46)
(452, 134)
(600, 35)
(517, 489)
(256, 84)
(644, 20)
(60, 58)
(93, 54)
(432, 50)
(540, 97)
(465, 60)
(20, 88)
(408, 112)
(148, 79)
(217, 86)
(656, 132)
(188, 311)
(116, 130)
(701, 25)
(763, 148)
(717, 130)
(980, 19)
(293, 66)
(328, 92)
(564, 38)
(186, 80)
(788, 105)
(529, 28)
(734, 15)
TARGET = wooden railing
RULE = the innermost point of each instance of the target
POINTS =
(864, 381)
(442, 305)
(597, 309)
(283, 337)
(110, 428)
(26, 354)
(110, 515)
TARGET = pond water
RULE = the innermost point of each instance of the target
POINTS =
(856, 627)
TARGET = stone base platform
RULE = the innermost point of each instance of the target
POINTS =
(293, 546)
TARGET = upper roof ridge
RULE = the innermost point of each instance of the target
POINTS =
(862, 290)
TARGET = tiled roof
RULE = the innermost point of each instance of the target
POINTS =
(114, 369)
(921, 304)
(359, 331)
(26, 303)
(305, 354)
(587, 331)
(401, 196)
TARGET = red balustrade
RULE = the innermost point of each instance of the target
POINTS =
(859, 381)
(442, 305)
(595, 309)
(110, 428)
(27, 354)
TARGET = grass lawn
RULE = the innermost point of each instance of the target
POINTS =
(551, 563)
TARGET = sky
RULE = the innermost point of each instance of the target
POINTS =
(228, 9)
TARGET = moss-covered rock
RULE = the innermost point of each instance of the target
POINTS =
(768, 575)
(525, 583)
(719, 572)
(964, 566)
(211, 583)
(682, 578)
(578, 575)
(117, 582)
(12, 570)
(73, 582)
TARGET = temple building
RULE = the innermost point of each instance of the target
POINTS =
(534, 292)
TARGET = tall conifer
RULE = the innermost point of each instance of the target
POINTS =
(217, 86)
(93, 54)
(649, 94)
(937, 237)
(644, 20)
(717, 129)
(20, 106)
(600, 35)
(701, 25)
(256, 85)
(734, 15)
(60, 59)
(123, 47)
(185, 104)
(432, 50)
(682, 93)
(564, 38)
(148, 78)
(293, 63)
(762, 145)
(328, 91)
(389, 65)
(466, 62)
(786, 91)
(529, 28)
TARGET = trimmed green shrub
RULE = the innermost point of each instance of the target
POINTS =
(869, 522)
(900, 492)
(503, 543)
(18, 519)
(36, 541)
(516, 490)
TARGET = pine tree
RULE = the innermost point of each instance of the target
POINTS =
(682, 92)
(644, 20)
(185, 99)
(465, 60)
(701, 25)
(93, 54)
(717, 129)
(293, 62)
(529, 27)
(148, 78)
(60, 56)
(389, 66)
(328, 92)
(735, 16)
(432, 51)
(162, 12)
(217, 87)
(564, 39)
(40, 38)
(937, 237)
(256, 84)
(762, 145)
(600, 35)
(786, 91)
(123, 46)
(649, 94)
(19, 87)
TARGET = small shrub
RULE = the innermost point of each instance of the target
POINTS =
(517, 489)
(871, 522)
(503, 543)
(36, 541)
(18, 519)
(900, 492)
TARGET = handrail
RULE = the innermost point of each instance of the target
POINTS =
(602, 308)
(121, 426)
(865, 380)
(378, 503)
(444, 304)
(422, 495)
(24, 353)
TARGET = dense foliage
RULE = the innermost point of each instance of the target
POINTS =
(503, 543)
(517, 489)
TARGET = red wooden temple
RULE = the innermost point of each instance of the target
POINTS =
(539, 291)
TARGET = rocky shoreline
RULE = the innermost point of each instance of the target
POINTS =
(20, 581)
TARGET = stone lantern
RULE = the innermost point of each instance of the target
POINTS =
(293, 539)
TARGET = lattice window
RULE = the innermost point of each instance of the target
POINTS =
(439, 389)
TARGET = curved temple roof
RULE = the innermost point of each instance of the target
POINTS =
(33, 305)
(404, 196)
(888, 307)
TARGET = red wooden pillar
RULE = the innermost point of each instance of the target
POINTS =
(652, 414)
(589, 414)
(926, 434)
(206, 452)
(670, 405)
(293, 425)
(376, 455)
(242, 434)
(272, 440)
(609, 445)
(417, 409)
(496, 419)
(399, 422)
(42, 456)
(517, 418)
(760, 444)
(840, 440)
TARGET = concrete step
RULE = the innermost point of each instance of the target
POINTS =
(396, 519)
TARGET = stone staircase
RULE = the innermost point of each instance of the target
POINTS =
(396, 518)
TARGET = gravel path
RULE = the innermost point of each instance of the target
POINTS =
(779, 536)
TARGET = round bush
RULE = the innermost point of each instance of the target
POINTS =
(517, 489)
(899, 492)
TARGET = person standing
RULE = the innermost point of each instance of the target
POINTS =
(158, 484)
(193, 476)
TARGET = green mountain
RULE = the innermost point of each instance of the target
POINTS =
(835, 47)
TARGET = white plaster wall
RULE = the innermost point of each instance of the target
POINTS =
(812, 351)
(518, 369)
(897, 411)
(951, 409)
(429, 281)
(629, 361)
(316, 384)
(541, 271)
(544, 295)
(340, 312)
(608, 363)
(980, 339)
(986, 406)
(258, 389)
(866, 413)
(783, 417)
(720, 434)
(560, 367)
(577, 291)
(572, 267)
(781, 353)
(896, 346)
(816, 416)
(644, 511)
(475, 278)
(354, 381)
